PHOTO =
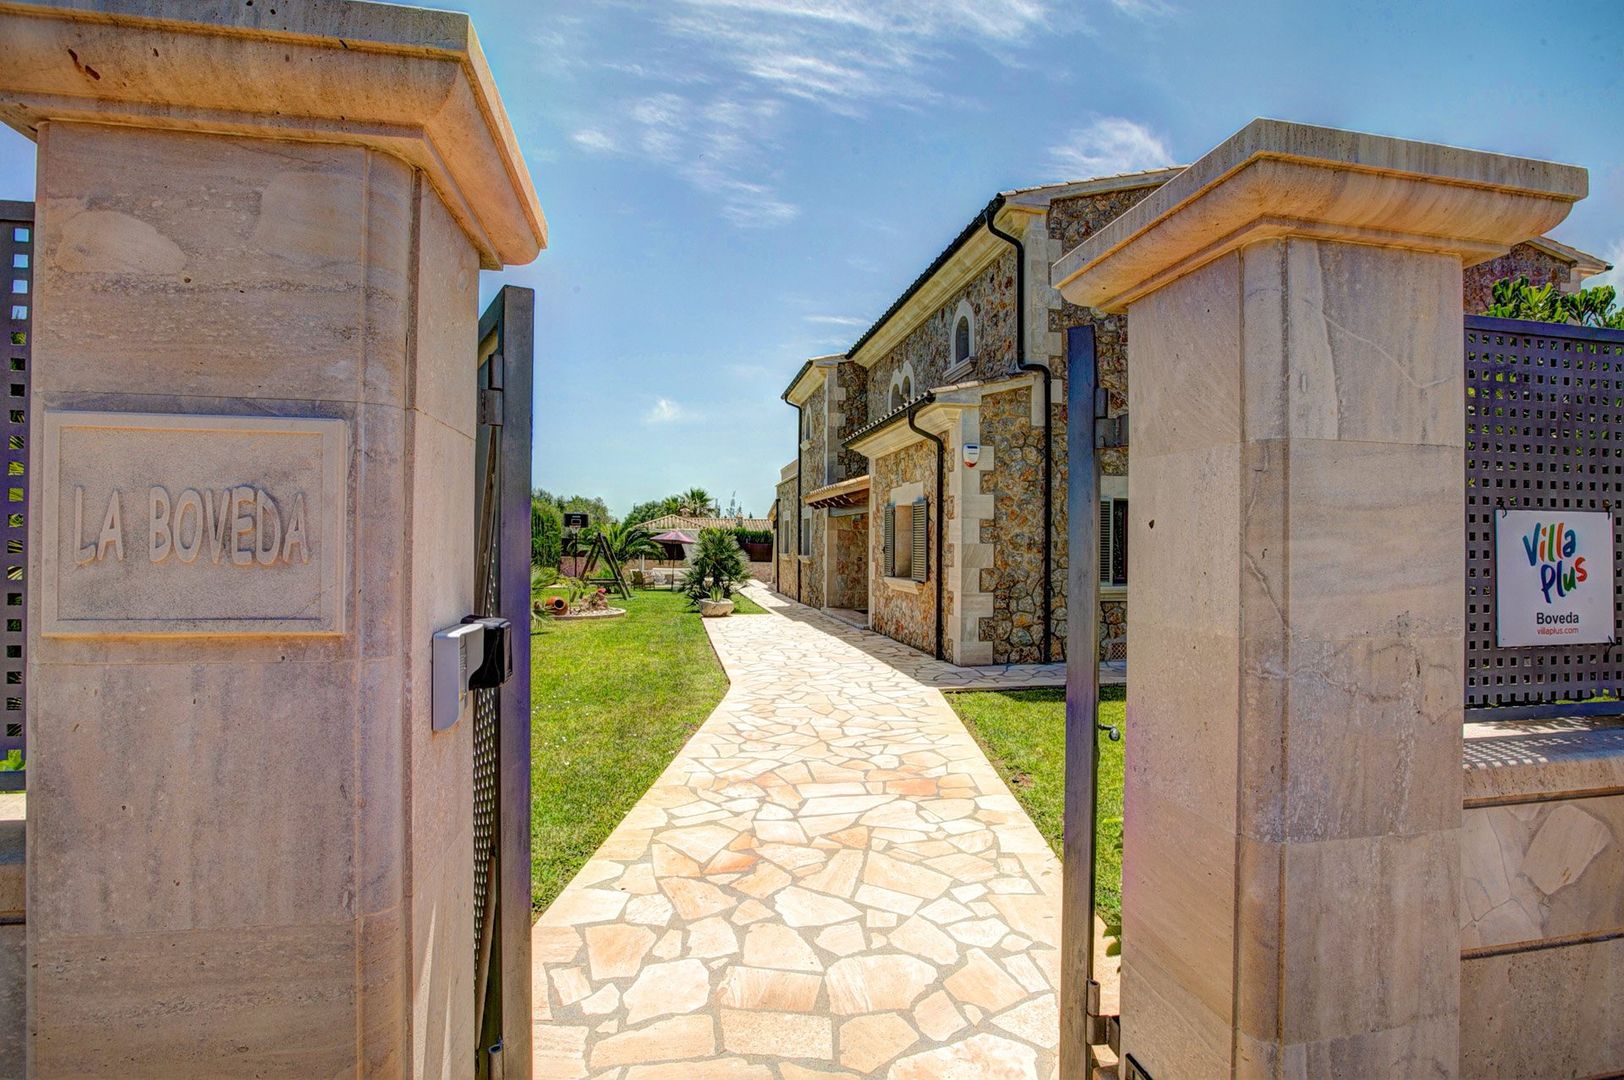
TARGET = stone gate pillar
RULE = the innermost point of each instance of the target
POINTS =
(259, 235)
(1293, 789)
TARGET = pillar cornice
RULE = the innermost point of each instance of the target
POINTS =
(404, 81)
(1275, 179)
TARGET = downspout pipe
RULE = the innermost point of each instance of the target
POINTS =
(1043, 372)
(941, 461)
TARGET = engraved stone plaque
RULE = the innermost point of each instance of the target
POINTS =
(167, 524)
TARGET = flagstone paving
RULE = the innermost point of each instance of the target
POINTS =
(829, 880)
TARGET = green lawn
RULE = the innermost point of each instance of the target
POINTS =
(1023, 733)
(612, 702)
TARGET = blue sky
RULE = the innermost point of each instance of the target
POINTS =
(735, 185)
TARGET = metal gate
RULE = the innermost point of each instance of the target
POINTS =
(502, 716)
(17, 249)
(1544, 431)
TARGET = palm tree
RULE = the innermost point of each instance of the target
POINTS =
(696, 502)
(628, 541)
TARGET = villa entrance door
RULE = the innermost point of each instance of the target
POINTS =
(502, 716)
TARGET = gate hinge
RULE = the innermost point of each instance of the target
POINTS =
(1111, 432)
(490, 407)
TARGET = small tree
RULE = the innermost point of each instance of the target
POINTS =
(718, 566)
(627, 541)
(1518, 299)
(546, 533)
(696, 502)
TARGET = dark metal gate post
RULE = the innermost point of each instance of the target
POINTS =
(502, 717)
(1078, 992)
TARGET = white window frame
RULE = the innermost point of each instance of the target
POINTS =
(959, 366)
(1112, 540)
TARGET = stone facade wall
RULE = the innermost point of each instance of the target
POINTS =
(813, 476)
(1113, 626)
(784, 550)
(927, 351)
(1015, 578)
(1071, 221)
(906, 614)
(851, 380)
(1524, 260)
(851, 561)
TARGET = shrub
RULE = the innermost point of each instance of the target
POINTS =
(541, 577)
(1518, 299)
(546, 533)
(752, 536)
(718, 565)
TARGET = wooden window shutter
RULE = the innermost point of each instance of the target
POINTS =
(920, 566)
(1105, 541)
(890, 551)
(1119, 545)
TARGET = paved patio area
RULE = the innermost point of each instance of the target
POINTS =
(829, 880)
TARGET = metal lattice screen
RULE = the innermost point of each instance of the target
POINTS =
(17, 249)
(1544, 431)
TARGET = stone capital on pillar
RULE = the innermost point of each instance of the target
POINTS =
(258, 238)
(1293, 777)
(1274, 179)
(410, 82)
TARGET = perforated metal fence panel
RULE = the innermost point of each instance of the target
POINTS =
(1544, 431)
(17, 249)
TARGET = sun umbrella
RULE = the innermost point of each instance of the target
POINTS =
(674, 537)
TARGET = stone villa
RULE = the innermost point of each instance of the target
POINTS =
(954, 372)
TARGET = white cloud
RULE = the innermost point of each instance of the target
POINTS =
(1144, 9)
(1111, 144)
(718, 76)
(837, 320)
(1614, 277)
(593, 139)
(665, 411)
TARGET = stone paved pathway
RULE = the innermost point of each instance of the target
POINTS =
(828, 880)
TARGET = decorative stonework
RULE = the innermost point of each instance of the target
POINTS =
(164, 524)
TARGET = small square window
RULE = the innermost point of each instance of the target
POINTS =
(17, 416)
(19, 261)
(19, 286)
(14, 494)
(20, 234)
(14, 652)
(19, 364)
(19, 312)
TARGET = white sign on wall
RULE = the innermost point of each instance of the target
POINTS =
(1553, 574)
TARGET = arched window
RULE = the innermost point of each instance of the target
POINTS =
(902, 388)
(964, 340)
